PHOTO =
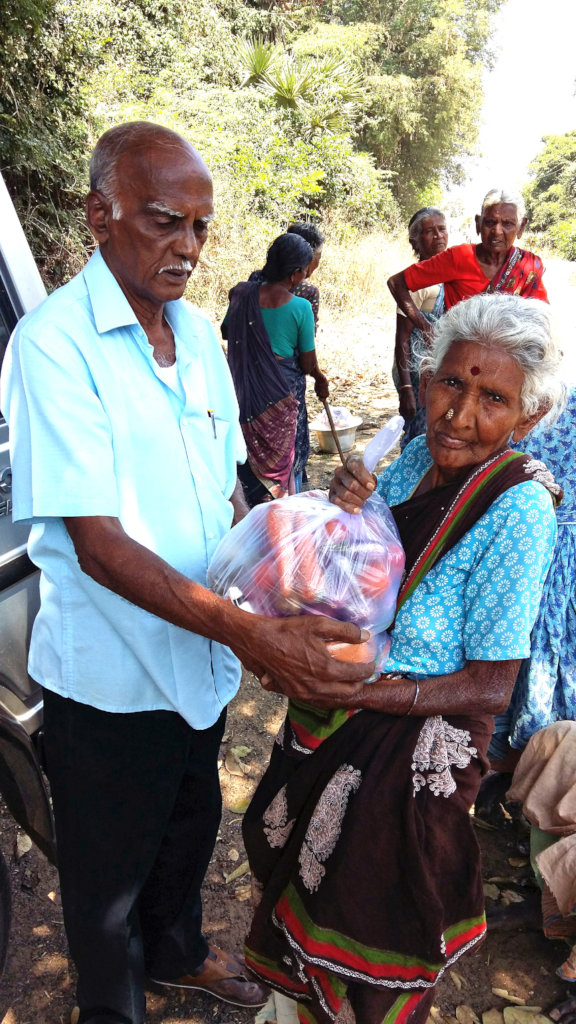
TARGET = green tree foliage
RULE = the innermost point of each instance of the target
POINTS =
(551, 194)
(422, 62)
(300, 108)
(47, 51)
(324, 93)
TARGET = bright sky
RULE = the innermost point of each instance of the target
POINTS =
(530, 93)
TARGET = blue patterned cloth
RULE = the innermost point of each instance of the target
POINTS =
(545, 690)
(479, 602)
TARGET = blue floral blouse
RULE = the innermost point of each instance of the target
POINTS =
(479, 602)
(545, 691)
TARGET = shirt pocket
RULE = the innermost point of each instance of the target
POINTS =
(219, 460)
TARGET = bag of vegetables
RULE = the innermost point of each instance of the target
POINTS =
(302, 555)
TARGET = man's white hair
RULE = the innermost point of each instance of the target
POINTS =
(113, 144)
(504, 195)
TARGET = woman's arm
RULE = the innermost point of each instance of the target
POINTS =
(481, 687)
(407, 398)
(309, 364)
(400, 291)
(307, 351)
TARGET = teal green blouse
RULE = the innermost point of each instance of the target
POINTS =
(290, 327)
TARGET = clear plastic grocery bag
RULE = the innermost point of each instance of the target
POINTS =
(302, 555)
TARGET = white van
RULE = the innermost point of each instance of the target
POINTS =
(22, 784)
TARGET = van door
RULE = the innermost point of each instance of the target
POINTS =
(21, 782)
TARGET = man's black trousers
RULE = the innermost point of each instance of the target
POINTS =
(137, 805)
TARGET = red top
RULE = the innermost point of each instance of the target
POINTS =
(457, 268)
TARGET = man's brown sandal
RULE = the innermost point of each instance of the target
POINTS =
(222, 975)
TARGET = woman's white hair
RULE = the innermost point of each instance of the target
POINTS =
(522, 328)
(503, 195)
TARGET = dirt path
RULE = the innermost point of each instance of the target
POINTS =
(38, 985)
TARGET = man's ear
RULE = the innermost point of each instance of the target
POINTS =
(98, 213)
(477, 221)
(522, 227)
(525, 425)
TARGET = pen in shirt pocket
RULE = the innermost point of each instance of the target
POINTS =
(213, 421)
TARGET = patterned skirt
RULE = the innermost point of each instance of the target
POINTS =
(365, 867)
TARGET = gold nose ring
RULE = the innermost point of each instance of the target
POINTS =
(449, 414)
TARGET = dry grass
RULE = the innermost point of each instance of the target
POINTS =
(353, 272)
(355, 341)
(351, 277)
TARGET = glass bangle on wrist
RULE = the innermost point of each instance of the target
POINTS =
(406, 386)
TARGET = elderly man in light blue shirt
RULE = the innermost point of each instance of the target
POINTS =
(124, 444)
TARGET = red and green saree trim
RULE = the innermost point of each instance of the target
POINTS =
(398, 1013)
(335, 952)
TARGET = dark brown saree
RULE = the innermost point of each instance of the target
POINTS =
(359, 836)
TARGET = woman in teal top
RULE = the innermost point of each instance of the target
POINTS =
(271, 348)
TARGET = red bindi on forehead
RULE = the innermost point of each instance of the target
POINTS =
(474, 370)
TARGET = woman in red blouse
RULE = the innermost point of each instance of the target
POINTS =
(495, 264)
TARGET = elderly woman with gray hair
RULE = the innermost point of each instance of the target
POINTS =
(494, 264)
(428, 236)
(359, 836)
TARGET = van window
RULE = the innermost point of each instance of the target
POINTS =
(8, 320)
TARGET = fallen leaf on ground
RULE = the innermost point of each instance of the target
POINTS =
(241, 751)
(243, 892)
(233, 854)
(466, 1015)
(267, 1015)
(241, 806)
(484, 825)
(238, 872)
(491, 891)
(518, 862)
(23, 845)
(286, 1009)
(505, 994)
(233, 764)
(493, 1016)
(523, 1015)
(527, 1009)
(457, 979)
(510, 896)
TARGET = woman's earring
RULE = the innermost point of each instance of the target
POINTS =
(449, 414)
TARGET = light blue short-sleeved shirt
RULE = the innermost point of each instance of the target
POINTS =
(480, 601)
(96, 431)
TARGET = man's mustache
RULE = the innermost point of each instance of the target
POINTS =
(185, 266)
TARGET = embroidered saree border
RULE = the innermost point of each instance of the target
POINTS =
(335, 952)
(462, 502)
